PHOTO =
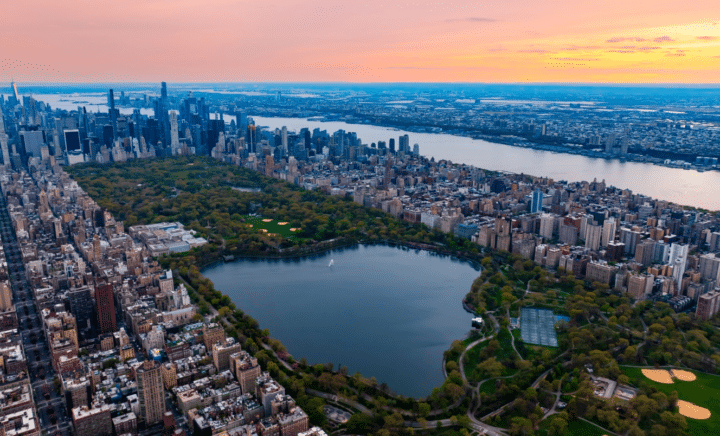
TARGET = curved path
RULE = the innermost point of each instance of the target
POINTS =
(512, 337)
(553, 410)
(460, 359)
(339, 399)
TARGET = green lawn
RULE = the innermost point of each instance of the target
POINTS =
(582, 428)
(505, 352)
(271, 227)
(488, 387)
(575, 428)
(473, 356)
(704, 392)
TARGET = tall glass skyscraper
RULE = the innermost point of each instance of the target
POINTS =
(537, 201)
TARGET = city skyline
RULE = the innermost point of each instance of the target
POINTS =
(462, 41)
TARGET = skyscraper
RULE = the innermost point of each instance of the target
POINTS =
(610, 142)
(174, 139)
(162, 115)
(4, 140)
(537, 201)
(242, 122)
(113, 115)
(72, 140)
(137, 117)
(678, 260)
(404, 144)
(150, 392)
(15, 91)
(81, 306)
(105, 308)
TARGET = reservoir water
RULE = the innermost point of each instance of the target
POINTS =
(686, 187)
(386, 312)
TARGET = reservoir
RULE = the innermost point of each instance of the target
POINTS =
(686, 187)
(383, 311)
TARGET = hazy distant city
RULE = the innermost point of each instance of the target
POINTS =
(665, 126)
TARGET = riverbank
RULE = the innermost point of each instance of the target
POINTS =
(551, 144)
(675, 185)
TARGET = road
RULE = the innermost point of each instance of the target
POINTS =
(52, 414)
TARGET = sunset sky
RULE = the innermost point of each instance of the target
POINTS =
(639, 41)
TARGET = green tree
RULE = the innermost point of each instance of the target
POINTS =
(423, 409)
(359, 423)
(557, 427)
(489, 368)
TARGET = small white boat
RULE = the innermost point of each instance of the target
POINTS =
(332, 261)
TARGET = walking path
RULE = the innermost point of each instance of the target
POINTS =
(460, 359)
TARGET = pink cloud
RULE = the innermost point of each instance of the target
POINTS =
(663, 39)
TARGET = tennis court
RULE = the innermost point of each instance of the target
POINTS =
(537, 326)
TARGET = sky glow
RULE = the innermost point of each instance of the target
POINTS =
(635, 41)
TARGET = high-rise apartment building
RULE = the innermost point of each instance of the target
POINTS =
(630, 238)
(212, 333)
(640, 285)
(608, 232)
(92, 422)
(678, 260)
(568, 234)
(709, 266)
(221, 352)
(105, 308)
(708, 305)
(151, 395)
(592, 236)
(600, 272)
(5, 296)
(644, 252)
(547, 225)
(246, 370)
(81, 306)
(97, 249)
(614, 251)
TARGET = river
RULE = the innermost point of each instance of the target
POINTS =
(686, 187)
(386, 312)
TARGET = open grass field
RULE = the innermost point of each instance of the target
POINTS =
(704, 392)
(488, 387)
(504, 352)
(575, 428)
(582, 428)
(272, 226)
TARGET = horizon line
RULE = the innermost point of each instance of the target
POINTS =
(590, 84)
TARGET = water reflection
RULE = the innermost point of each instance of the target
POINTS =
(387, 312)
